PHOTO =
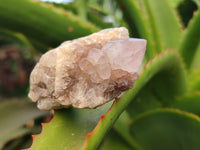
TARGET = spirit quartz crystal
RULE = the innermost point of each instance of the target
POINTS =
(87, 72)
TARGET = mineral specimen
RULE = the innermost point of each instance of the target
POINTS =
(87, 72)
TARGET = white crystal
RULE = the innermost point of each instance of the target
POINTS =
(87, 72)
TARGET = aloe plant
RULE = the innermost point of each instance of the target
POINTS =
(161, 111)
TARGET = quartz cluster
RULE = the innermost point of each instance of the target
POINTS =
(87, 72)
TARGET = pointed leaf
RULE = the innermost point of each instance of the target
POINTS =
(165, 22)
(16, 133)
(195, 62)
(20, 38)
(41, 22)
(14, 114)
(194, 80)
(68, 129)
(191, 40)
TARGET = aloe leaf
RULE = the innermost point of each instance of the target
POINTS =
(156, 35)
(114, 142)
(97, 20)
(41, 22)
(194, 80)
(195, 63)
(14, 114)
(170, 61)
(189, 102)
(122, 127)
(93, 15)
(20, 38)
(175, 3)
(67, 6)
(16, 133)
(165, 129)
(165, 23)
(99, 10)
(81, 8)
(191, 40)
(145, 100)
(68, 129)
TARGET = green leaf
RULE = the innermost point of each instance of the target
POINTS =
(169, 61)
(175, 3)
(98, 20)
(14, 114)
(41, 22)
(93, 15)
(189, 102)
(145, 100)
(114, 142)
(20, 38)
(167, 129)
(122, 127)
(191, 40)
(95, 11)
(81, 8)
(13, 134)
(165, 23)
(195, 63)
(68, 129)
(194, 80)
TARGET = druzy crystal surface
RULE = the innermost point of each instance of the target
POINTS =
(87, 72)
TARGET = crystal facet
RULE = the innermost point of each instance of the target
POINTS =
(87, 72)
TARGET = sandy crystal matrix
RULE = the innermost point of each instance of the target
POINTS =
(87, 72)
